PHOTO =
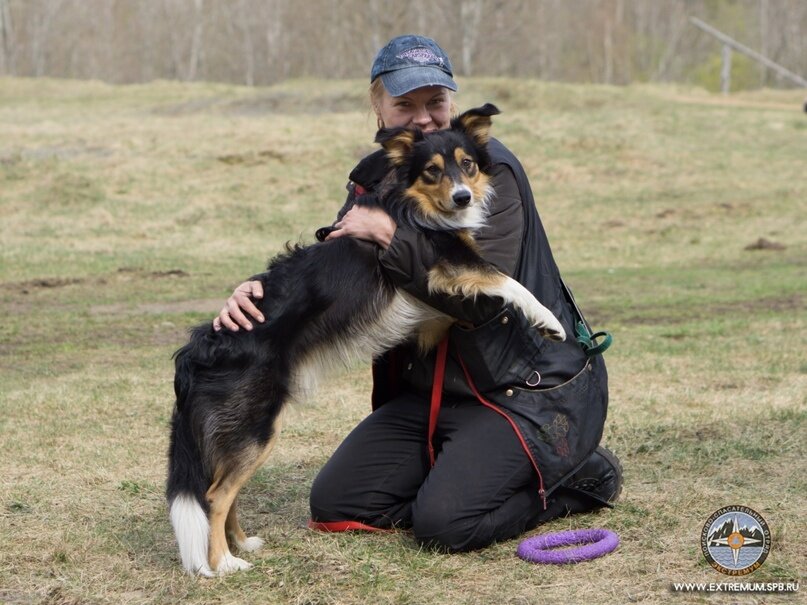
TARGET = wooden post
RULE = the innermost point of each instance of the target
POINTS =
(725, 70)
(733, 44)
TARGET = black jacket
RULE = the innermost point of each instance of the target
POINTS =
(554, 395)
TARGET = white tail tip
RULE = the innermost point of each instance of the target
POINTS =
(192, 530)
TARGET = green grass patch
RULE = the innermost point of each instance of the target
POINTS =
(128, 214)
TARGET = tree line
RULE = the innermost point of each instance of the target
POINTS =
(260, 42)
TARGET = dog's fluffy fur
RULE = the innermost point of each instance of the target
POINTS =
(325, 304)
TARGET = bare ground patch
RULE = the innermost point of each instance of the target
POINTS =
(123, 273)
(678, 314)
(734, 102)
(203, 305)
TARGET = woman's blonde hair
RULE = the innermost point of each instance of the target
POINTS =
(377, 92)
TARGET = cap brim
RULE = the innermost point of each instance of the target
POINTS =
(402, 81)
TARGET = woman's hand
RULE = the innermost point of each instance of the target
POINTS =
(232, 314)
(371, 224)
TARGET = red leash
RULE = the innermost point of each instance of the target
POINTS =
(337, 526)
(503, 414)
(437, 394)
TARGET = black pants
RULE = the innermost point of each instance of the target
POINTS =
(481, 489)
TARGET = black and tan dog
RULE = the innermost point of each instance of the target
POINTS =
(323, 304)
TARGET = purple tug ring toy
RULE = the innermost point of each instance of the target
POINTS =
(595, 543)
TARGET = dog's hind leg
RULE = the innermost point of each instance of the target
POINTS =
(237, 535)
(222, 496)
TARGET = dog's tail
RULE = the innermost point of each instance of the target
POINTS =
(188, 479)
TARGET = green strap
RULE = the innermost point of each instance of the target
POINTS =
(589, 341)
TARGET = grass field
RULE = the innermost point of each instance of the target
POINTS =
(127, 214)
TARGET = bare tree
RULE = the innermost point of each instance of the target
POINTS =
(264, 41)
(763, 37)
(276, 56)
(40, 29)
(6, 39)
(678, 23)
(608, 46)
(470, 16)
(196, 39)
(243, 30)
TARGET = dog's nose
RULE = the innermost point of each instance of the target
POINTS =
(462, 198)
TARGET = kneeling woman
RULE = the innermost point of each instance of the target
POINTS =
(498, 429)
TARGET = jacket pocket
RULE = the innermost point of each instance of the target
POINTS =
(563, 424)
(508, 351)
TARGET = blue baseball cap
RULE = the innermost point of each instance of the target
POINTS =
(410, 62)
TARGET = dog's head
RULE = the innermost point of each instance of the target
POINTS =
(443, 173)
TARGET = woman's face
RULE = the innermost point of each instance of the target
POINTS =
(427, 108)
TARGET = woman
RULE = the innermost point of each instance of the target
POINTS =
(518, 418)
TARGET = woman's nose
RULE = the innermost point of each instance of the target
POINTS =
(422, 117)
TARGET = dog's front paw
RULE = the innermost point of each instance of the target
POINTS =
(230, 564)
(548, 326)
(251, 544)
(538, 315)
(558, 334)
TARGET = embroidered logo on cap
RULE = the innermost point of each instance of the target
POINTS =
(422, 55)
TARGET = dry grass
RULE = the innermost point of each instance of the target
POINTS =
(128, 213)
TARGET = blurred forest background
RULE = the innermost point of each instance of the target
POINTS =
(260, 42)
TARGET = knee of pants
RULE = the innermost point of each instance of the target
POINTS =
(334, 498)
(323, 500)
(439, 527)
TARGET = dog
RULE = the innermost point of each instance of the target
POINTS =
(324, 304)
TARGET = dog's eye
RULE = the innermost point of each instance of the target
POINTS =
(433, 171)
(467, 163)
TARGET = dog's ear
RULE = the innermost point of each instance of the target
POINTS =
(398, 143)
(476, 122)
